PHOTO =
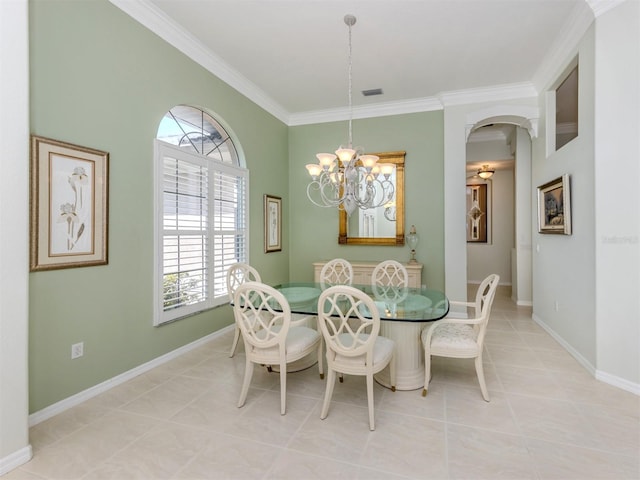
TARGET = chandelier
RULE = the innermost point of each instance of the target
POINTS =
(349, 179)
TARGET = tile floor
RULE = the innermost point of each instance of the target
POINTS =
(547, 419)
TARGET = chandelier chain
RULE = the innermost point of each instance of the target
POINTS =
(349, 179)
(350, 94)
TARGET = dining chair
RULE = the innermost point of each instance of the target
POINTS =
(336, 272)
(264, 317)
(353, 344)
(462, 337)
(390, 282)
(237, 274)
(390, 273)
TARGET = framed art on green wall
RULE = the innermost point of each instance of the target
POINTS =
(272, 224)
(69, 205)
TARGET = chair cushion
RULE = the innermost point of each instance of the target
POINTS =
(453, 337)
(298, 340)
(382, 350)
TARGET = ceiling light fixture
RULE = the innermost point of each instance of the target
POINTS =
(349, 179)
(486, 172)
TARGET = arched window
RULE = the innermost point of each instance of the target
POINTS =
(198, 132)
(202, 213)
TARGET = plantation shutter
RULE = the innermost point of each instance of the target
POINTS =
(204, 230)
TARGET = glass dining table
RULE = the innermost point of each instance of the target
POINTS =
(403, 313)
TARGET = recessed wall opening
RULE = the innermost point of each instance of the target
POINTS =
(567, 109)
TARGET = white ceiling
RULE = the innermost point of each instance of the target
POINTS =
(290, 56)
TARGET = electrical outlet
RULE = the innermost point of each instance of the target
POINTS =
(77, 350)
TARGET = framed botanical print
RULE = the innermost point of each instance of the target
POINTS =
(69, 205)
(272, 224)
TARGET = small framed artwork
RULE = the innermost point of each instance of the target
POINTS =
(554, 206)
(69, 205)
(272, 224)
(477, 213)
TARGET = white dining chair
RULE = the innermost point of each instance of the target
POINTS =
(264, 317)
(389, 273)
(390, 282)
(336, 272)
(462, 337)
(237, 274)
(353, 344)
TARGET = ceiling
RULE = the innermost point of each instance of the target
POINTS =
(291, 56)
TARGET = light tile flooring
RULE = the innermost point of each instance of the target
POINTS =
(547, 419)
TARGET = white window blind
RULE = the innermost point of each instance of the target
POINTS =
(203, 230)
(230, 220)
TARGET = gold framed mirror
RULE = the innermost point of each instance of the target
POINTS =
(377, 228)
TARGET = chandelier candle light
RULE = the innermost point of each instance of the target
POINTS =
(349, 179)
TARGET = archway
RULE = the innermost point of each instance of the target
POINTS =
(459, 123)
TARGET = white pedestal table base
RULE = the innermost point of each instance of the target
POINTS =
(409, 354)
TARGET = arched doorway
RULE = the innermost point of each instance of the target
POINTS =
(498, 210)
(460, 122)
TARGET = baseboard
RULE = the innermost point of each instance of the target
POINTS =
(618, 382)
(524, 303)
(573, 352)
(598, 375)
(78, 398)
(15, 459)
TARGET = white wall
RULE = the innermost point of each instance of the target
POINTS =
(522, 290)
(14, 235)
(484, 259)
(564, 265)
(455, 238)
(586, 285)
(488, 151)
(617, 201)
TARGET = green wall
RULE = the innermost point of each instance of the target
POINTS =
(101, 80)
(314, 230)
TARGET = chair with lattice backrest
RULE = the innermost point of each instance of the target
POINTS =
(390, 273)
(353, 344)
(336, 272)
(462, 337)
(237, 274)
(264, 318)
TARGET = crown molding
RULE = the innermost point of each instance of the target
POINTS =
(382, 109)
(427, 104)
(147, 14)
(602, 6)
(488, 94)
(565, 46)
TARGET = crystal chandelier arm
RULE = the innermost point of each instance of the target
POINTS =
(327, 189)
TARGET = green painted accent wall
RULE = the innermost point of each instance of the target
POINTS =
(101, 80)
(314, 230)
